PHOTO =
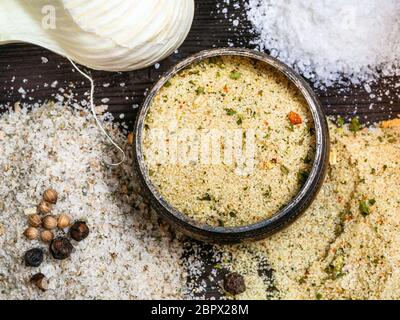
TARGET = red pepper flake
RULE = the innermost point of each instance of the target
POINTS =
(266, 123)
(295, 118)
(226, 89)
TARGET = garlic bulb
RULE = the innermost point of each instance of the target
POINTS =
(118, 35)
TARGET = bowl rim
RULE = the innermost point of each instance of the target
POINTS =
(264, 228)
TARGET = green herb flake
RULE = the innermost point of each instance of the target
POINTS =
(230, 112)
(268, 193)
(194, 72)
(218, 266)
(302, 176)
(340, 122)
(284, 169)
(200, 90)
(355, 125)
(235, 75)
(168, 84)
(364, 208)
(239, 121)
(206, 197)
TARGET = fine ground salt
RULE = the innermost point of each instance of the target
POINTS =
(330, 42)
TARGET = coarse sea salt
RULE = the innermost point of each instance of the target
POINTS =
(329, 42)
(128, 254)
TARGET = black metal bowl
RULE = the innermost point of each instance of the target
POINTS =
(266, 227)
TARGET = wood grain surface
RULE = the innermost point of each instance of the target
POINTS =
(21, 66)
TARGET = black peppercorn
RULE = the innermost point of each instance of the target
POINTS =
(234, 283)
(34, 257)
(79, 231)
(61, 248)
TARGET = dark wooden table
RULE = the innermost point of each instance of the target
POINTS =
(21, 66)
(23, 61)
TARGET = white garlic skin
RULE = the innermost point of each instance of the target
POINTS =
(118, 35)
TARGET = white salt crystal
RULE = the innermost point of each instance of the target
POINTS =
(367, 88)
(30, 211)
(101, 109)
(59, 97)
(342, 38)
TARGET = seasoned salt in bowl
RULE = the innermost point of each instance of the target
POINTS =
(179, 208)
